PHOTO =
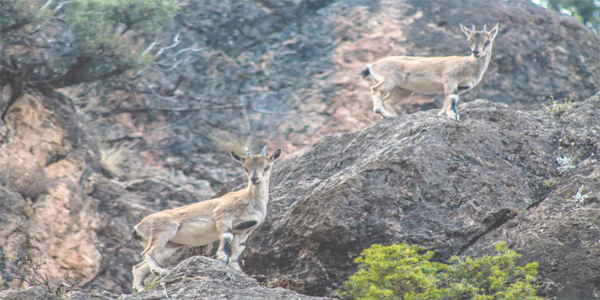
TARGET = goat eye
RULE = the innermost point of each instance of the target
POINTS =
(267, 168)
(246, 169)
(487, 43)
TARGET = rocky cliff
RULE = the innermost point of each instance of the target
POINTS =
(287, 72)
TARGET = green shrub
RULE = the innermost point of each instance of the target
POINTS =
(548, 183)
(406, 272)
(94, 39)
(558, 107)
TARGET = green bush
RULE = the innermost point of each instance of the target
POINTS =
(100, 28)
(406, 272)
(89, 40)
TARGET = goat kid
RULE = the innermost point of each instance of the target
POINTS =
(229, 219)
(398, 77)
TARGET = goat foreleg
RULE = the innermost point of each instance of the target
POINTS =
(226, 236)
(450, 102)
(237, 248)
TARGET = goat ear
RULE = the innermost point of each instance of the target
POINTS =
(275, 155)
(494, 31)
(237, 157)
(465, 30)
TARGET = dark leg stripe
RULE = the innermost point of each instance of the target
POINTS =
(454, 103)
(226, 247)
(245, 225)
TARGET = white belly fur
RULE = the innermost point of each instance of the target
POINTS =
(196, 233)
(422, 85)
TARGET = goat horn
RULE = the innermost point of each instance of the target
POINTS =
(248, 152)
(484, 27)
(264, 151)
(473, 28)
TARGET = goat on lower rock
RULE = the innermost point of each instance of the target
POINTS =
(229, 219)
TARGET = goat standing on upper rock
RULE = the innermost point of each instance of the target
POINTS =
(398, 77)
(228, 219)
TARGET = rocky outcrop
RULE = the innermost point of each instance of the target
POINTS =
(448, 186)
(51, 223)
(204, 278)
(195, 278)
(61, 221)
(562, 231)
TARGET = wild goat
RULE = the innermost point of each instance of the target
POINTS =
(398, 77)
(229, 219)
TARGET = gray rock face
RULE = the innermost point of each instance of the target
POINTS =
(195, 278)
(562, 232)
(203, 278)
(32, 293)
(426, 180)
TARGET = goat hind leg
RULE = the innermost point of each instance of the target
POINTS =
(139, 272)
(397, 94)
(377, 92)
(156, 247)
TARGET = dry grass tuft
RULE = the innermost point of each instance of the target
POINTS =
(112, 158)
(228, 142)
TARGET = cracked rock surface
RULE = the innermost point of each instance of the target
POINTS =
(452, 187)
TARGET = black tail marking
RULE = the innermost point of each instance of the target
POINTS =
(365, 73)
(135, 235)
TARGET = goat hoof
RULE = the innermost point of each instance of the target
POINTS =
(452, 116)
(382, 113)
(138, 289)
(159, 271)
(225, 261)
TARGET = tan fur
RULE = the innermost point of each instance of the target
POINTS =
(208, 221)
(398, 77)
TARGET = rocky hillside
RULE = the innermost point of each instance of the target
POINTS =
(286, 73)
(529, 178)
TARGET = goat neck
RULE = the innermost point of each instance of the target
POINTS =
(481, 65)
(259, 194)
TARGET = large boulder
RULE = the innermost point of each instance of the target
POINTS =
(204, 278)
(444, 185)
